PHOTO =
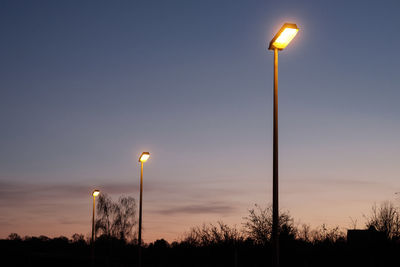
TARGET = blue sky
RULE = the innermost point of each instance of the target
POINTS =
(87, 86)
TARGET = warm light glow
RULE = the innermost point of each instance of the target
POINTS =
(284, 36)
(144, 157)
(96, 193)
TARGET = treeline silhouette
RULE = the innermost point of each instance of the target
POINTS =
(218, 244)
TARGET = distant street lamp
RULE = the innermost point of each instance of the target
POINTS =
(142, 159)
(279, 42)
(94, 194)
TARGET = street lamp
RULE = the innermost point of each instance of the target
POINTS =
(142, 159)
(279, 42)
(94, 194)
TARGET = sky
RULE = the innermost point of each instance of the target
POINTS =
(86, 86)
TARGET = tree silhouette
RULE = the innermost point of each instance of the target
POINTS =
(14, 236)
(327, 235)
(116, 219)
(78, 238)
(258, 224)
(385, 218)
(210, 234)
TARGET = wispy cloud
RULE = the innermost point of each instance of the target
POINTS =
(206, 208)
(69, 221)
(14, 193)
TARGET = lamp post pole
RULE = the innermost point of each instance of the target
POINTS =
(94, 207)
(140, 214)
(275, 191)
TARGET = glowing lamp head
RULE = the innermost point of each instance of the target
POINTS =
(144, 157)
(96, 193)
(284, 36)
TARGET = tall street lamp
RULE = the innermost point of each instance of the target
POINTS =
(142, 159)
(279, 42)
(94, 194)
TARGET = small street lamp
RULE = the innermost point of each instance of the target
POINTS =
(94, 194)
(142, 159)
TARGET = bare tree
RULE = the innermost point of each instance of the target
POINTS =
(210, 234)
(304, 233)
(325, 234)
(258, 224)
(385, 218)
(125, 211)
(78, 238)
(14, 236)
(353, 223)
(105, 211)
(116, 219)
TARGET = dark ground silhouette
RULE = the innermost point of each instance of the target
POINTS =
(216, 244)
(42, 251)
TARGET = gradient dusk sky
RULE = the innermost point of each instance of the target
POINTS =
(86, 86)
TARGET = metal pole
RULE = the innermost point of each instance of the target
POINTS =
(140, 214)
(275, 199)
(94, 207)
